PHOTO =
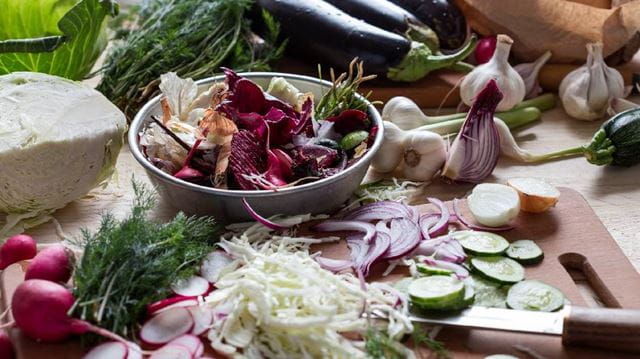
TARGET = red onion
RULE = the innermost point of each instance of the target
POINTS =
(357, 226)
(443, 223)
(460, 271)
(333, 265)
(364, 254)
(475, 226)
(426, 222)
(382, 210)
(265, 222)
(405, 237)
(485, 49)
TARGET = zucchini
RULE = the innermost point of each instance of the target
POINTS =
(499, 269)
(430, 270)
(525, 251)
(623, 130)
(437, 292)
(535, 295)
(481, 243)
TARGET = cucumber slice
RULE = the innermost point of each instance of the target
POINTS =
(525, 252)
(437, 292)
(469, 296)
(488, 293)
(430, 270)
(500, 269)
(353, 139)
(403, 285)
(481, 243)
(535, 295)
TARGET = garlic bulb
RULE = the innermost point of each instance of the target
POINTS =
(389, 155)
(585, 92)
(424, 155)
(498, 68)
(529, 73)
(404, 113)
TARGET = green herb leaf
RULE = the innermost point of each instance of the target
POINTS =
(420, 338)
(58, 37)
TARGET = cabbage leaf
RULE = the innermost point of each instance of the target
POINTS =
(57, 37)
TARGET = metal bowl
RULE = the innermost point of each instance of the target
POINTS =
(322, 196)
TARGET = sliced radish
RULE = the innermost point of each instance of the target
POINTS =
(167, 326)
(171, 352)
(202, 319)
(213, 265)
(536, 195)
(493, 204)
(108, 350)
(173, 302)
(191, 342)
(135, 352)
(191, 287)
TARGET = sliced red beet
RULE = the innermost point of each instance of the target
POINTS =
(108, 350)
(350, 120)
(166, 326)
(248, 158)
(193, 286)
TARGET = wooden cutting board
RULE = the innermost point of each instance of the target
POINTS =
(571, 236)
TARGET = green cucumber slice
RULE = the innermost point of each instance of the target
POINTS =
(437, 292)
(481, 243)
(535, 295)
(525, 252)
(430, 270)
(353, 139)
(489, 293)
(403, 285)
(500, 269)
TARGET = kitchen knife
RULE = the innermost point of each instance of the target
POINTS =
(615, 329)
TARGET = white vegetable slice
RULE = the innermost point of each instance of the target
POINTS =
(191, 342)
(193, 286)
(171, 352)
(167, 326)
(135, 352)
(173, 302)
(108, 350)
(493, 204)
(215, 265)
(202, 319)
(536, 195)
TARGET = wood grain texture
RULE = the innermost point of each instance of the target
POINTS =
(569, 234)
(615, 329)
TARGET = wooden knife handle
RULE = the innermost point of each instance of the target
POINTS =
(614, 329)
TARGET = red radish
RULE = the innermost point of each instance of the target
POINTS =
(211, 268)
(52, 263)
(40, 308)
(166, 326)
(17, 248)
(191, 342)
(172, 302)
(484, 50)
(6, 346)
(134, 351)
(193, 286)
(171, 352)
(108, 350)
(202, 319)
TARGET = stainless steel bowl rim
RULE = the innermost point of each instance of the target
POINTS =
(139, 120)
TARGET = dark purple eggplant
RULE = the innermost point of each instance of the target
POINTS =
(443, 16)
(323, 33)
(389, 16)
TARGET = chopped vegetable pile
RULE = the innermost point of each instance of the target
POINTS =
(237, 136)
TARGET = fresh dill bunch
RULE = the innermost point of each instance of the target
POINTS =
(193, 38)
(420, 338)
(379, 345)
(130, 263)
(342, 94)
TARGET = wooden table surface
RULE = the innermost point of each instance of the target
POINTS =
(614, 193)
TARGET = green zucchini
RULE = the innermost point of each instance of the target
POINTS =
(500, 269)
(437, 292)
(481, 243)
(525, 251)
(535, 295)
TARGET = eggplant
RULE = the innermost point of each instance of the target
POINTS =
(444, 17)
(389, 16)
(326, 34)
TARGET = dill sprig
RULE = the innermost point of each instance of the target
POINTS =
(420, 338)
(342, 95)
(193, 38)
(128, 264)
(379, 345)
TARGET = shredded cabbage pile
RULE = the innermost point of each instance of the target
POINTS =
(282, 304)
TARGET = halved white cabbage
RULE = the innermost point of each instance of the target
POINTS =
(58, 140)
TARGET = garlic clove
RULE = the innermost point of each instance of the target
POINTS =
(498, 68)
(529, 73)
(404, 113)
(390, 153)
(424, 155)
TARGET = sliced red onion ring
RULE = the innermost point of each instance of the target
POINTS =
(405, 237)
(364, 254)
(460, 271)
(358, 226)
(426, 222)
(333, 265)
(443, 223)
(470, 225)
(382, 210)
(428, 247)
(443, 253)
(264, 221)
